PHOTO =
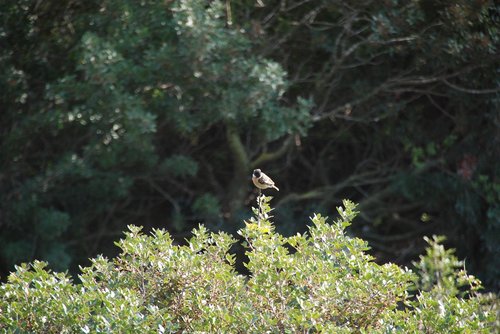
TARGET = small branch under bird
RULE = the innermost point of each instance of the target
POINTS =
(262, 181)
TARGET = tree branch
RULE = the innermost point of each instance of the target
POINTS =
(471, 91)
(270, 156)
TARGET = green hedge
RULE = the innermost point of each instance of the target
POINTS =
(320, 281)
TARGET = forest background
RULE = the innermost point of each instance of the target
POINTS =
(154, 113)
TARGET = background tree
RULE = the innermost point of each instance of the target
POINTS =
(161, 111)
(405, 119)
(155, 113)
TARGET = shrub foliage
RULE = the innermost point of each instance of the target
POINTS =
(320, 281)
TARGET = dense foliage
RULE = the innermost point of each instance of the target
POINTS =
(155, 113)
(149, 88)
(406, 117)
(320, 281)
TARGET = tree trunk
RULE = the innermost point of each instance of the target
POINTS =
(241, 170)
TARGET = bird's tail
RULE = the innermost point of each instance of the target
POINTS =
(276, 188)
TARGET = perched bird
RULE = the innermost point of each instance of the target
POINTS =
(262, 181)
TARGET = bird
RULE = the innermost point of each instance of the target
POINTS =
(262, 181)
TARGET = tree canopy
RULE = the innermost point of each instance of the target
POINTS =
(154, 113)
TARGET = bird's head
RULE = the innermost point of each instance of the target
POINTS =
(256, 172)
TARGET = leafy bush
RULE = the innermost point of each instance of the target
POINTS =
(322, 281)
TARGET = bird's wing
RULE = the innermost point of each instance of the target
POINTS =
(264, 179)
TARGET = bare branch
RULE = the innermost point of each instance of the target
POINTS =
(270, 156)
(307, 18)
(349, 105)
(471, 91)
(165, 194)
